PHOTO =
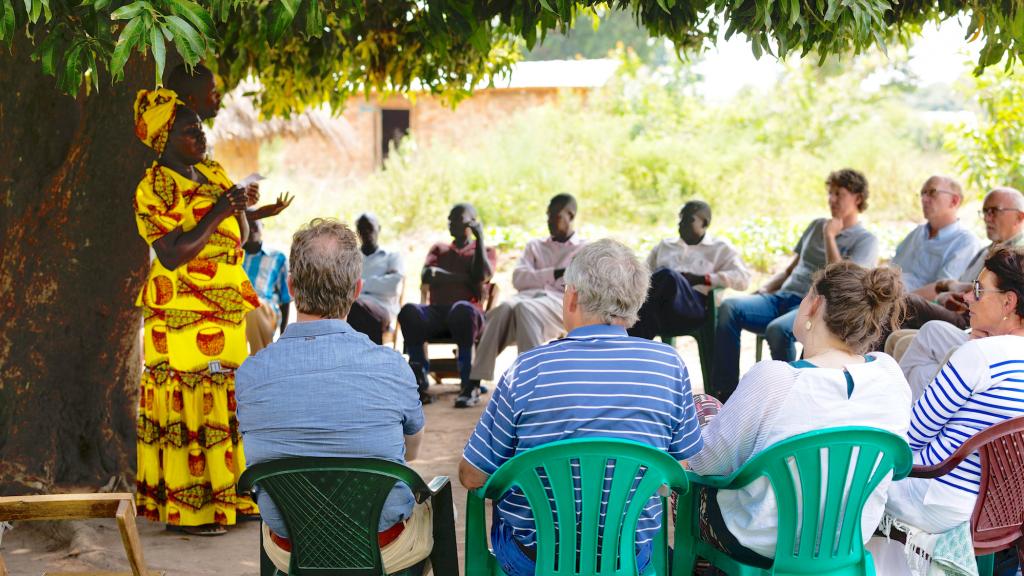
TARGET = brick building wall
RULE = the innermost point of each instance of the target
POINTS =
(430, 121)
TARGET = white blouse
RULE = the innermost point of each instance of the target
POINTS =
(775, 401)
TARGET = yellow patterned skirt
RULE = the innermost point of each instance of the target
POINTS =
(189, 451)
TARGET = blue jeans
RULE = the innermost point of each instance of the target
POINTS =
(768, 314)
(514, 561)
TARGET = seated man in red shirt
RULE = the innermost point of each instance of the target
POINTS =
(456, 274)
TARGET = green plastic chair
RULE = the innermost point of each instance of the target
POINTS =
(811, 539)
(705, 337)
(617, 540)
(331, 507)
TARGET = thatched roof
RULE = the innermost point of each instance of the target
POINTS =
(238, 120)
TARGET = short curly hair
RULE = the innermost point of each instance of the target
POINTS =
(853, 181)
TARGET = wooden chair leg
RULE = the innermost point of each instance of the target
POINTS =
(130, 537)
(3, 567)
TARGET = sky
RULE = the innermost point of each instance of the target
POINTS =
(941, 55)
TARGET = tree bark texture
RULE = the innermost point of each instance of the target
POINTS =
(71, 264)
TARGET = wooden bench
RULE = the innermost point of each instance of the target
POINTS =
(80, 507)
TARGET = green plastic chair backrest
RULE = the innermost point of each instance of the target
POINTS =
(836, 469)
(331, 507)
(603, 553)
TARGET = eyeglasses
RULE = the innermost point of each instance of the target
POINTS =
(978, 290)
(934, 192)
(992, 212)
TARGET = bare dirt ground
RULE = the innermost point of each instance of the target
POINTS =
(34, 548)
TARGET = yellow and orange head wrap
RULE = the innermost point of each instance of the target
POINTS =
(154, 115)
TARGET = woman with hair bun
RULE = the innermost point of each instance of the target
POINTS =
(838, 383)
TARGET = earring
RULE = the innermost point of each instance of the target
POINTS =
(807, 325)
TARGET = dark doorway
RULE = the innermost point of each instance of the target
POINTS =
(394, 124)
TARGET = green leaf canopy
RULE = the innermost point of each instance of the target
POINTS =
(313, 51)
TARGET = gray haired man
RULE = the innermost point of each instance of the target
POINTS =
(324, 389)
(597, 381)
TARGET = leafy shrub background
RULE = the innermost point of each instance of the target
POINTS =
(636, 150)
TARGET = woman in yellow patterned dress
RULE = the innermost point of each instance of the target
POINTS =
(194, 303)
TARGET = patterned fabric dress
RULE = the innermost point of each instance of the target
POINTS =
(189, 450)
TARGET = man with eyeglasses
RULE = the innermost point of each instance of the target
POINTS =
(1003, 213)
(939, 248)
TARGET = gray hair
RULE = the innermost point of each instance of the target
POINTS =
(957, 189)
(611, 281)
(1014, 194)
(325, 267)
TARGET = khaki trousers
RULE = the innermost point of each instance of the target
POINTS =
(927, 353)
(260, 325)
(413, 545)
(527, 320)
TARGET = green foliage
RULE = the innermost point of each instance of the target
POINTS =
(763, 241)
(990, 152)
(597, 36)
(647, 143)
(312, 51)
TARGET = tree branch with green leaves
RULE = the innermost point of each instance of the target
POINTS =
(313, 51)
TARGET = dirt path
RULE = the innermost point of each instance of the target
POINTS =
(28, 549)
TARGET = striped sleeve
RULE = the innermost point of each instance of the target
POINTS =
(686, 439)
(946, 395)
(494, 439)
(730, 437)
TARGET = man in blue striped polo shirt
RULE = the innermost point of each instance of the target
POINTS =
(595, 382)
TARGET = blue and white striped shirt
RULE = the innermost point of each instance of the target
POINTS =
(596, 382)
(981, 385)
(268, 272)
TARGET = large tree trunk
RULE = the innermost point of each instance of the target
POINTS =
(71, 263)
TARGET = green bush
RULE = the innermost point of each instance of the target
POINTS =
(635, 151)
(989, 151)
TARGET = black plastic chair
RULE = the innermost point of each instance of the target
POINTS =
(331, 507)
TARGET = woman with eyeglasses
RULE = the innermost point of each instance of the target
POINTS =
(981, 385)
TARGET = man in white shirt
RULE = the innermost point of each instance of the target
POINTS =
(375, 309)
(534, 315)
(684, 270)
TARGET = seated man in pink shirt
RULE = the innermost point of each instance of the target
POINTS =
(534, 315)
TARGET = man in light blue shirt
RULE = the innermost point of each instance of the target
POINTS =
(597, 382)
(324, 389)
(941, 247)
